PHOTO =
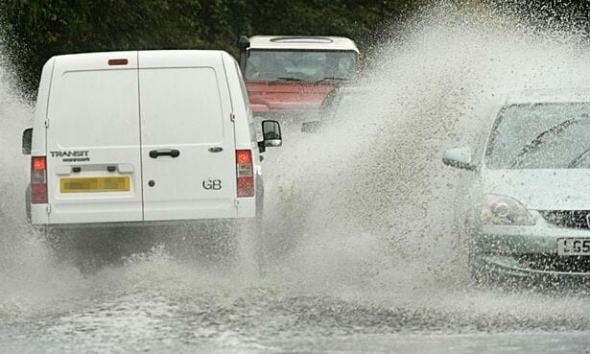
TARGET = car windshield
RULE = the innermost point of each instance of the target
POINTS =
(306, 66)
(541, 136)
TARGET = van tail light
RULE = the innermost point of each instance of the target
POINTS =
(38, 180)
(245, 173)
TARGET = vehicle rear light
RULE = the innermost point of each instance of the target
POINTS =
(245, 173)
(38, 163)
(38, 193)
(38, 180)
(118, 61)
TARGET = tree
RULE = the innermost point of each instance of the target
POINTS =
(35, 30)
(32, 31)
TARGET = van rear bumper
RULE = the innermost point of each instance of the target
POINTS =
(52, 228)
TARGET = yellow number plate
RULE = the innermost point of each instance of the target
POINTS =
(95, 184)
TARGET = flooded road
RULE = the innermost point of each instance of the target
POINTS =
(360, 227)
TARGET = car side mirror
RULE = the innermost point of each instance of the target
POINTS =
(459, 158)
(271, 133)
(311, 127)
(27, 141)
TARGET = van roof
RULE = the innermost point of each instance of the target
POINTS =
(189, 54)
(302, 43)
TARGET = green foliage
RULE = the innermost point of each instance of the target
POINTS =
(32, 31)
(570, 15)
(35, 30)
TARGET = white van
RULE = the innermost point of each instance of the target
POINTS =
(144, 138)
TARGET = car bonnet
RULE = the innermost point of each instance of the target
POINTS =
(541, 189)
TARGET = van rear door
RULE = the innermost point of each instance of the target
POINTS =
(188, 143)
(93, 141)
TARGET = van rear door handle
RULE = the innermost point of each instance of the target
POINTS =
(172, 153)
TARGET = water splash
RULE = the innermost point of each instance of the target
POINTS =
(372, 192)
(360, 221)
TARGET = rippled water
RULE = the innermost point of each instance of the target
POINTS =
(359, 223)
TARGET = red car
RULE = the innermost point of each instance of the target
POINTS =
(289, 75)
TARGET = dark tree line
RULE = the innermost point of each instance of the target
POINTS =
(550, 14)
(31, 31)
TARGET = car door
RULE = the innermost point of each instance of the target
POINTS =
(93, 142)
(188, 143)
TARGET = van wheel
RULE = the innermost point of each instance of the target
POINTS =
(256, 231)
(251, 246)
(64, 247)
(210, 244)
(260, 248)
(93, 249)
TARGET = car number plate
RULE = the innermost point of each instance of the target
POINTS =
(95, 184)
(573, 247)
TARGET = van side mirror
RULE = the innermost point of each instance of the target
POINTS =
(271, 133)
(459, 158)
(27, 141)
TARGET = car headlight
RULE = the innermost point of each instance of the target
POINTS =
(501, 210)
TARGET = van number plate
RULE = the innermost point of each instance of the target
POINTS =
(95, 184)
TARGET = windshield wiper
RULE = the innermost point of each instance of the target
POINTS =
(281, 79)
(544, 137)
(330, 78)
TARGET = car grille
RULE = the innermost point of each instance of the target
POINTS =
(551, 262)
(575, 219)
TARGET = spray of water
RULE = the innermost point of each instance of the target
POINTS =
(372, 205)
(364, 212)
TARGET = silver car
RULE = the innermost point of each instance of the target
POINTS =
(531, 192)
